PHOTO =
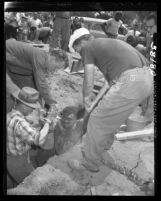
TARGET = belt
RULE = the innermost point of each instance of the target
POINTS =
(112, 82)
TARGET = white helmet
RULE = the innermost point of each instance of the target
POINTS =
(77, 34)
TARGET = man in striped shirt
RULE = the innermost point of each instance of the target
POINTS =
(21, 135)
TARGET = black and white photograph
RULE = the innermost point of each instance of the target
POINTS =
(80, 108)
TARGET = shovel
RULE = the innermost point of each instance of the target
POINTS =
(86, 114)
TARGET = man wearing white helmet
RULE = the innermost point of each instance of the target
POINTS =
(77, 33)
(130, 80)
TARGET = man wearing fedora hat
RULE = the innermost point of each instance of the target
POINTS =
(29, 66)
(130, 80)
(21, 135)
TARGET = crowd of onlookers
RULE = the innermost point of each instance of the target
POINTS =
(26, 26)
(33, 26)
(38, 26)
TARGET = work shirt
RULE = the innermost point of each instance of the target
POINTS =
(113, 26)
(25, 60)
(20, 134)
(23, 26)
(112, 57)
(35, 23)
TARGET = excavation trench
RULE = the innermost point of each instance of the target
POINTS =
(134, 159)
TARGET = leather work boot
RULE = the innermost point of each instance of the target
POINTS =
(81, 166)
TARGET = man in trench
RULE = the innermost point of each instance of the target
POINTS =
(131, 81)
(21, 135)
(67, 132)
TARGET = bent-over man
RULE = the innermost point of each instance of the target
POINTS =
(131, 81)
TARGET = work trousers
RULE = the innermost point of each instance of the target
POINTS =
(18, 167)
(61, 33)
(129, 90)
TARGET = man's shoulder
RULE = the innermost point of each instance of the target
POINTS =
(11, 41)
(15, 114)
(96, 43)
(17, 44)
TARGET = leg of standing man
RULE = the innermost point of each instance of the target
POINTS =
(130, 89)
(120, 101)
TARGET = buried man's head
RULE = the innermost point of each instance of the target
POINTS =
(69, 117)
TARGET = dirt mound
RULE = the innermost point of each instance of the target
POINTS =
(47, 180)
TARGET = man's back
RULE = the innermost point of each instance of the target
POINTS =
(27, 66)
(111, 56)
(21, 58)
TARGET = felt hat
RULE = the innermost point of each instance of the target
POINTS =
(28, 96)
(77, 34)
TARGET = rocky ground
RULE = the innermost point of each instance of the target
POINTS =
(134, 159)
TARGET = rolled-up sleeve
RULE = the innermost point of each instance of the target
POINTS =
(87, 55)
(26, 133)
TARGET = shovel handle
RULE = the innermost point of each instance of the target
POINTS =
(98, 98)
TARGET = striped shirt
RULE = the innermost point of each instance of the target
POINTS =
(20, 134)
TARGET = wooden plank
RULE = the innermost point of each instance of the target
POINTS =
(93, 20)
(135, 134)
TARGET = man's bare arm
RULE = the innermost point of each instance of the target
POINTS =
(88, 81)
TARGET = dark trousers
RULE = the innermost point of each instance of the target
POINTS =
(18, 168)
(10, 31)
(61, 33)
(40, 156)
